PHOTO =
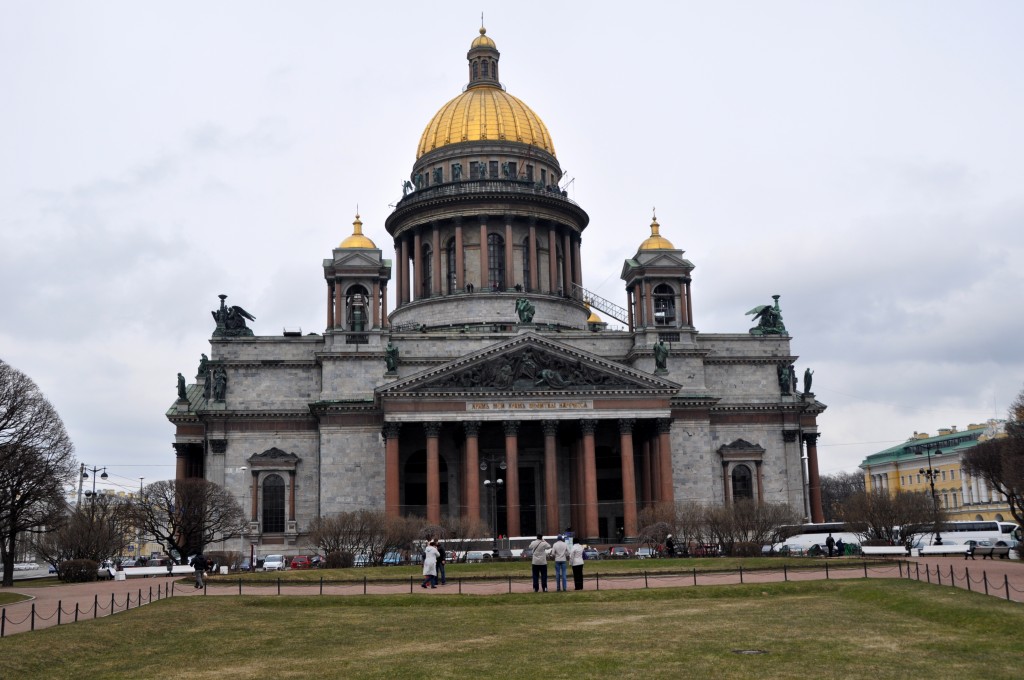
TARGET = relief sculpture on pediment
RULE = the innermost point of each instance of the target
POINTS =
(529, 369)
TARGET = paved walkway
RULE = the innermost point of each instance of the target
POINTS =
(59, 605)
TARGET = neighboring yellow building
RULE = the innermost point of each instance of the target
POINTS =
(904, 468)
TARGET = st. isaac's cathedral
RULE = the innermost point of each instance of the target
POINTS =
(495, 364)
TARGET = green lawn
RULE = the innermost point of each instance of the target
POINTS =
(824, 629)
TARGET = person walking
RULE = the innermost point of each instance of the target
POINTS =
(199, 565)
(560, 553)
(830, 543)
(539, 549)
(576, 559)
(430, 555)
(670, 546)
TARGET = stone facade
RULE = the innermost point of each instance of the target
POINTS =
(592, 424)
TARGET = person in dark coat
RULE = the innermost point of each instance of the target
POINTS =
(830, 543)
(199, 565)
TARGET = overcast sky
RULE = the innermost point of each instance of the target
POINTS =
(862, 160)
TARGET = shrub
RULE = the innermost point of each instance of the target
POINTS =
(339, 559)
(77, 571)
(746, 549)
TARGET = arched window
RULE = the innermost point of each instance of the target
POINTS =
(664, 305)
(526, 263)
(741, 486)
(273, 504)
(999, 517)
(357, 305)
(475, 71)
(496, 261)
(427, 265)
(453, 285)
(485, 62)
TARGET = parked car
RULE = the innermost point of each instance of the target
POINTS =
(477, 556)
(619, 552)
(503, 555)
(591, 553)
(644, 553)
(245, 565)
(274, 563)
(301, 562)
(361, 560)
(392, 558)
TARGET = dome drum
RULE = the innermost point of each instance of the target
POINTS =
(490, 309)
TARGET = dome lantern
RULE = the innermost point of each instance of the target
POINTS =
(483, 58)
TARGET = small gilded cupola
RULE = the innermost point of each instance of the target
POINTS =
(483, 58)
(357, 239)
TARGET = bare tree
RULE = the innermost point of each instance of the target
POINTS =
(835, 489)
(363, 532)
(36, 461)
(461, 532)
(187, 514)
(891, 518)
(688, 526)
(97, 531)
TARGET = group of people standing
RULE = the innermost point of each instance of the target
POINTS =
(562, 555)
(560, 552)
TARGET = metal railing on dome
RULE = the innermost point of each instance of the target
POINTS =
(485, 186)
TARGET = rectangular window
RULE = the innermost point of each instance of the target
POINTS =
(492, 169)
(529, 173)
(952, 474)
(943, 475)
(512, 171)
(544, 176)
(476, 170)
(919, 479)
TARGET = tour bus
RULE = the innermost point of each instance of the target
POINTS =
(800, 538)
(958, 533)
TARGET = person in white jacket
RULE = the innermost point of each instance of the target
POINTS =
(576, 559)
(560, 553)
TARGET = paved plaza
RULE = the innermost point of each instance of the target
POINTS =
(61, 604)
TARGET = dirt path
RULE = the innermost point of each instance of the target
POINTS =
(61, 604)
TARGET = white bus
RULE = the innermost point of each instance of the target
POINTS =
(958, 533)
(802, 537)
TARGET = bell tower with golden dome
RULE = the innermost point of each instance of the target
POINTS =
(658, 286)
(483, 221)
(357, 286)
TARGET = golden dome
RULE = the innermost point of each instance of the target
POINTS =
(594, 318)
(357, 240)
(656, 241)
(483, 41)
(485, 114)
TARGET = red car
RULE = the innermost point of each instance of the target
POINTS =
(301, 562)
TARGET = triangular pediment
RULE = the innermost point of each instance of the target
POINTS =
(530, 363)
(356, 258)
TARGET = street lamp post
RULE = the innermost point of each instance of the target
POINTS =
(930, 475)
(494, 484)
(85, 475)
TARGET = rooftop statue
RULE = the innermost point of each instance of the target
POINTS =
(203, 366)
(231, 321)
(391, 357)
(181, 388)
(660, 356)
(769, 319)
(808, 375)
(525, 310)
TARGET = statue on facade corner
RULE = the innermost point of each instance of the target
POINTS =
(525, 310)
(231, 321)
(785, 378)
(182, 396)
(769, 319)
(660, 356)
(391, 357)
(220, 383)
(808, 375)
(406, 188)
(456, 172)
(203, 366)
